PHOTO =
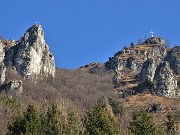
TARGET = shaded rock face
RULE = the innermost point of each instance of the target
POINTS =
(132, 63)
(31, 55)
(117, 79)
(113, 63)
(148, 70)
(166, 84)
(174, 59)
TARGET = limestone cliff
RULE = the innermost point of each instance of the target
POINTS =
(31, 55)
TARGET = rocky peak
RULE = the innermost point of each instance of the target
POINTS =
(34, 37)
(148, 63)
(31, 55)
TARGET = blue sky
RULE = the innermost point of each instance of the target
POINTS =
(83, 31)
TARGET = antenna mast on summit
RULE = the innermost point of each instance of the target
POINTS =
(152, 33)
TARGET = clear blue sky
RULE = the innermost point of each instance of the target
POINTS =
(83, 31)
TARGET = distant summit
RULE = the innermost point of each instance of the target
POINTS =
(150, 66)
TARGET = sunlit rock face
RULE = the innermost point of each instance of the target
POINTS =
(2, 66)
(148, 70)
(31, 55)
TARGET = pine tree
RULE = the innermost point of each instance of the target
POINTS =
(97, 121)
(27, 123)
(50, 121)
(142, 124)
(116, 106)
(17, 127)
(72, 126)
(171, 125)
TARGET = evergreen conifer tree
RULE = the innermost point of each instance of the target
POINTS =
(50, 121)
(97, 121)
(27, 123)
(171, 125)
(142, 124)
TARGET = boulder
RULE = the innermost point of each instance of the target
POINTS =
(154, 108)
(14, 87)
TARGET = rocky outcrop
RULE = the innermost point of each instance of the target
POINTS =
(148, 65)
(31, 55)
(166, 83)
(113, 63)
(154, 108)
(134, 57)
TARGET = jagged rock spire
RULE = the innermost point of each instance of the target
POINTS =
(31, 56)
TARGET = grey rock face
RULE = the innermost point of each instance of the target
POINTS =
(2, 66)
(14, 87)
(158, 53)
(132, 63)
(2, 73)
(148, 70)
(31, 56)
(166, 84)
